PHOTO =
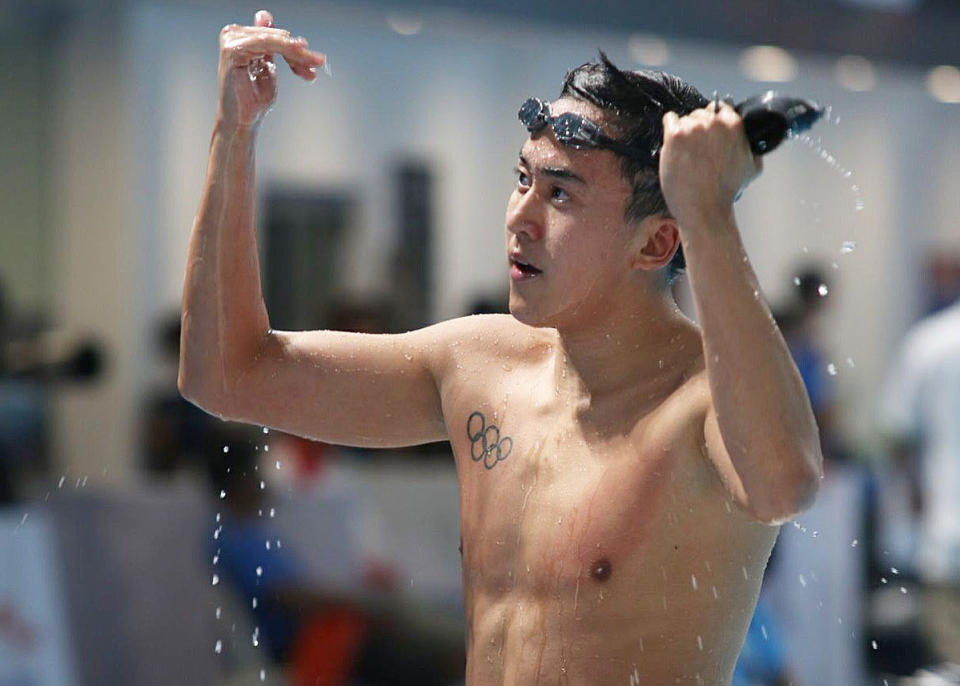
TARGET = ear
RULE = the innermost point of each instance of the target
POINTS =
(657, 241)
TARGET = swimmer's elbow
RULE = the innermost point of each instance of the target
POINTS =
(790, 498)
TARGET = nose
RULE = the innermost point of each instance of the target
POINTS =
(525, 215)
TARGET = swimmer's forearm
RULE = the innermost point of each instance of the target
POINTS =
(224, 316)
(762, 407)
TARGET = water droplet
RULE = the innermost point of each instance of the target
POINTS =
(796, 281)
(226, 449)
(700, 642)
(267, 544)
(216, 559)
(832, 369)
(60, 484)
(823, 290)
(263, 485)
(253, 603)
(894, 570)
(218, 517)
(873, 644)
(848, 247)
(218, 612)
(903, 590)
(215, 581)
(266, 448)
(266, 430)
(263, 675)
(278, 464)
(693, 581)
(763, 630)
(259, 571)
(218, 647)
(223, 494)
(850, 362)
(853, 544)
(803, 581)
(273, 512)
(883, 580)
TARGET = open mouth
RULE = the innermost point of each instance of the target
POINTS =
(523, 269)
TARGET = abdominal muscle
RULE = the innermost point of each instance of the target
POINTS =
(634, 569)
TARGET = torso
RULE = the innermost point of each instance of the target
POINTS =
(599, 546)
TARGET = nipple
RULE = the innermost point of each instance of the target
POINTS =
(601, 569)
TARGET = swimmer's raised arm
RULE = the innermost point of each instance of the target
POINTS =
(759, 430)
(339, 387)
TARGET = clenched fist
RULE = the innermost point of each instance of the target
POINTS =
(247, 72)
(705, 163)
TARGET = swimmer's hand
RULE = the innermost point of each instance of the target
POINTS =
(247, 73)
(705, 164)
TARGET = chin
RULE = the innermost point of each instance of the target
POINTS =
(527, 313)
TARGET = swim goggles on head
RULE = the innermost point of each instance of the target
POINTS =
(571, 129)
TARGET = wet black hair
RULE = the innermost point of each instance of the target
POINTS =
(635, 102)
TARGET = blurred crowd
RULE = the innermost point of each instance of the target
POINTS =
(902, 505)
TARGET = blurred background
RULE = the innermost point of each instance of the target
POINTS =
(144, 542)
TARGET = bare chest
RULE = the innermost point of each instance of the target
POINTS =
(547, 503)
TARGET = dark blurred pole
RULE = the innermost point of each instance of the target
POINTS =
(412, 280)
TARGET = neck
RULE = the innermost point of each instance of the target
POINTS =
(641, 349)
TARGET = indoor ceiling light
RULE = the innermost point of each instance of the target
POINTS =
(855, 73)
(943, 83)
(768, 63)
(405, 24)
(647, 49)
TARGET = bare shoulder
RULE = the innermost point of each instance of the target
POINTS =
(478, 340)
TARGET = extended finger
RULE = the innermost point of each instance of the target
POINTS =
(267, 41)
(263, 18)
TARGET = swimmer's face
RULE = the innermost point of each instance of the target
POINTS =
(568, 241)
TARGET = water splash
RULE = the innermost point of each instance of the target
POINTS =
(816, 145)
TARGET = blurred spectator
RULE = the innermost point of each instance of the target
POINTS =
(943, 282)
(320, 635)
(174, 433)
(920, 414)
(799, 321)
(30, 360)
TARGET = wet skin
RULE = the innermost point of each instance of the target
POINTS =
(605, 529)
(599, 543)
(604, 545)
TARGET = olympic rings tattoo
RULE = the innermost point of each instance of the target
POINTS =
(485, 441)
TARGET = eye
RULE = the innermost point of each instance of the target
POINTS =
(523, 179)
(557, 193)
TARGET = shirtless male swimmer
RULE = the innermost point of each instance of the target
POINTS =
(622, 470)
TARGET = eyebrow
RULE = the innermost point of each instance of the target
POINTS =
(555, 172)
